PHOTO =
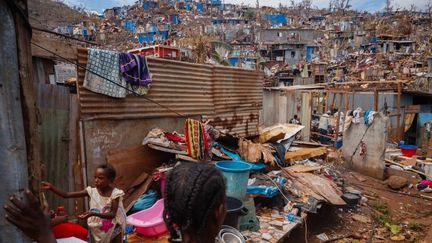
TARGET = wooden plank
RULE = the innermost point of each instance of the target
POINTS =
(304, 153)
(60, 47)
(28, 93)
(375, 100)
(338, 121)
(306, 115)
(326, 101)
(398, 105)
(303, 168)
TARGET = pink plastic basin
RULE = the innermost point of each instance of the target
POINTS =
(149, 222)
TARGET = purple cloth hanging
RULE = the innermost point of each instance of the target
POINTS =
(134, 69)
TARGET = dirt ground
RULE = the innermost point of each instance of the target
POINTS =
(410, 216)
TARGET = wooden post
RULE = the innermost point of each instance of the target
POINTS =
(306, 115)
(399, 132)
(353, 101)
(326, 101)
(333, 101)
(347, 103)
(338, 120)
(376, 100)
(28, 97)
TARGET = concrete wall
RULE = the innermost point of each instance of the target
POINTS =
(104, 135)
(280, 107)
(281, 35)
(375, 137)
(365, 100)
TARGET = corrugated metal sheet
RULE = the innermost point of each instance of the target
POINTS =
(183, 87)
(238, 96)
(13, 166)
(53, 129)
(229, 97)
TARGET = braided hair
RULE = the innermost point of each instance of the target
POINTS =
(192, 193)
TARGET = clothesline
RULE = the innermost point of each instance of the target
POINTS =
(109, 80)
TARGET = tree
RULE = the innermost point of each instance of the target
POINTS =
(429, 10)
(249, 14)
(341, 5)
(388, 6)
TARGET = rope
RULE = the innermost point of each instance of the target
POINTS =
(109, 80)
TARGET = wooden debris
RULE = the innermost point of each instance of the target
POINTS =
(322, 187)
(358, 176)
(361, 218)
(302, 153)
(413, 170)
(303, 168)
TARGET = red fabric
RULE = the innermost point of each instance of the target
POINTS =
(174, 137)
(65, 230)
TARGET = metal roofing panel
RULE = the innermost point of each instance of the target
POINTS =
(230, 97)
(184, 88)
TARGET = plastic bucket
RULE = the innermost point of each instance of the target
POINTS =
(408, 150)
(235, 209)
(236, 175)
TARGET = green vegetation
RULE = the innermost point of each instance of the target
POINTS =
(381, 207)
(416, 227)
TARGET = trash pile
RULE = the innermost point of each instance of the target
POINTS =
(269, 195)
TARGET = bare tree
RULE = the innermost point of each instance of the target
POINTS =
(305, 6)
(429, 10)
(388, 6)
(341, 4)
(331, 5)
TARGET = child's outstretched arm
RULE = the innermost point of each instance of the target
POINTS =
(48, 186)
(109, 215)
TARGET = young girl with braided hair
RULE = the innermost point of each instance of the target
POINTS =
(195, 203)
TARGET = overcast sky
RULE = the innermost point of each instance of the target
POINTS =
(367, 5)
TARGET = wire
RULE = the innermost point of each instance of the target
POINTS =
(109, 80)
(65, 36)
(277, 186)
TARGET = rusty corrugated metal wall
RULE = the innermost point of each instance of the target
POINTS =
(53, 105)
(230, 98)
(237, 97)
(183, 87)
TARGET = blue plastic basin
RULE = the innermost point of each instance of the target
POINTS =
(236, 175)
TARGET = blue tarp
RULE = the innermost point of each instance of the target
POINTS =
(309, 52)
(214, 2)
(150, 36)
(267, 191)
(276, 18)
(233, 61)
(129, 25)
(153, 28)
(200, 7)
(174, 19)
(236, 157)
(150, 5)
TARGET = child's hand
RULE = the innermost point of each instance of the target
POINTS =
(85, 215)
(46, 185)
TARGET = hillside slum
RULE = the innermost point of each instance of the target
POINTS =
(319, 119)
